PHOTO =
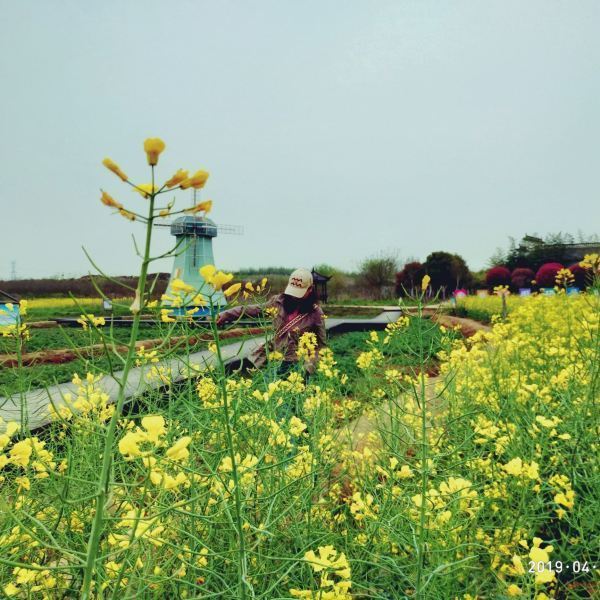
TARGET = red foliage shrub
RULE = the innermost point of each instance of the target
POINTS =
(522, 278)
(497, 276)
(581, 275)
(546, 275)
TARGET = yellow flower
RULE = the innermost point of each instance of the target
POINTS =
(178, 451)
(114, 167)
(220, 279)
(127, 214)
(198, 300)
(145, 189)
(502, 290)
(85, 320)
(153, 147)
(155, 427)
(205, 206)
(538, 554)
(197, 180)
(23, 483)
(129, 444)
(180, 175)
(180, 286)
(232, 289)
(11, 590)
(165, 316)
(425, 282)
(207, 272)
(109, 201)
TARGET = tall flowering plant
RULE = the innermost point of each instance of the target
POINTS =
(152, 192)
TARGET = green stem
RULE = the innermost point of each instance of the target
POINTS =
(242, 561)
(424, 456)
(102, 492)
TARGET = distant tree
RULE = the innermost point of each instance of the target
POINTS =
(533, 251)
(478, 279)
(378, 273)
(447, 271)
(339, 280)
(522, 278)
(409, 278)
(497, 259)
(497, 276)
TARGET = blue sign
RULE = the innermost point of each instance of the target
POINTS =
(524, 291)
(9, 314)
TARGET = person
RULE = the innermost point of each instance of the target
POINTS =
(296, 311)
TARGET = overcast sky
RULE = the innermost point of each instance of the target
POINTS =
(333, 130)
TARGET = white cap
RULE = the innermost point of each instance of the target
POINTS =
(300, 280)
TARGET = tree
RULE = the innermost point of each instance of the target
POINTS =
(447, 271)
(338, 282)
(498, 258)
(409, 278)
(377, 273)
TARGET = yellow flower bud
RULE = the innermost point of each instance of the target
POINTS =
(232, 289)
(180, 176)
(205, 206)
(114, 167)
(109, 201)
(425, 282)
(153, 147)
(128, 215)
(197, 180)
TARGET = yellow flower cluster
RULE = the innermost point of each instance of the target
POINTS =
(91, 320)
(89, 403)
(28, 455)
(591, 261)
(335, 575)
(369, 359)
(215, 278)
(564, 278)
(307, 347)
(144, 443)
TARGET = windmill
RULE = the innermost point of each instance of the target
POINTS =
(194, 235)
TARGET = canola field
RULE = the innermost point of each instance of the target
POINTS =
(482, 483)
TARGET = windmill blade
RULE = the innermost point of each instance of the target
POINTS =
(230, 229)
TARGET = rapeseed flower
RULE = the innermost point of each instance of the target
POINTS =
(109, 201)
(205, 207)
(153, 148)
(114, 167)
(178, 177)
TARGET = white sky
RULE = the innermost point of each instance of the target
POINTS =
(332, 129)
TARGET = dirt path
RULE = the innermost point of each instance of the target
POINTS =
(363, 431)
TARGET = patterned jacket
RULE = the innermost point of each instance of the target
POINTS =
(286, 335)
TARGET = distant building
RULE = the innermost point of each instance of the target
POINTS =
(571, 252)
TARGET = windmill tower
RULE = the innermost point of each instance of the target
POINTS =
(194, 235)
